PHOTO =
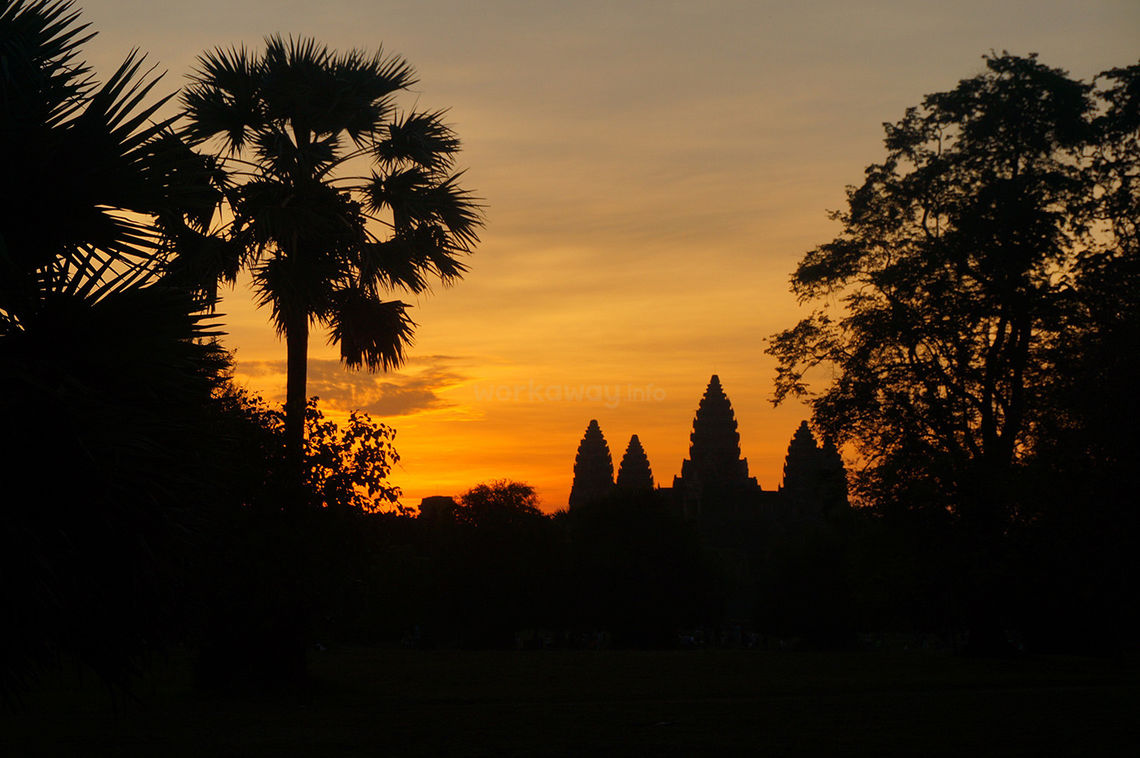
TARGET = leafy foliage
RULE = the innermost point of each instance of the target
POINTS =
(501, 503)
(282, 566)
(345, 468)
(954, 270)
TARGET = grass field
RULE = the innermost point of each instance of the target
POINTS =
(711, 702)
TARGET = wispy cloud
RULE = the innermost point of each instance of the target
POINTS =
(403, 393)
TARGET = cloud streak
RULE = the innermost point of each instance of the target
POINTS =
(386, 395)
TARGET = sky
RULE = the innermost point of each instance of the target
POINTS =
(651, 174)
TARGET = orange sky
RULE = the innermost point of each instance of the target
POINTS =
(652, 172)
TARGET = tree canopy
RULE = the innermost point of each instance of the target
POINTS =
(961, 265)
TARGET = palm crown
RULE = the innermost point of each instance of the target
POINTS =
(326, 245)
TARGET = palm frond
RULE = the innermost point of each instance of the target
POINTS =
(458, 209)
(281, 157)
(415, 199)
(314, 217)
(41, 78)
(296, 84)
(390, 264)
(296, 285)
(366, 84)
(402, 192)
(193, 186)
(119, 98)
(419, 138)
(86, 237)
(409, 260)
(439, 254)
(224, 98)
(371, 332)
(376, 76)
(203, 260)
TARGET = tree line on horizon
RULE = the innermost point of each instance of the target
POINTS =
(978, 314)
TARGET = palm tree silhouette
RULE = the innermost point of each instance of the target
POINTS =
(336, 197)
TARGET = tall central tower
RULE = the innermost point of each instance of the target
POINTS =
(714, 477)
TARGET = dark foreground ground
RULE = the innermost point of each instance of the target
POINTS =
(715, 702)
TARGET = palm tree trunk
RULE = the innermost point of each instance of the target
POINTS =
(297, 364)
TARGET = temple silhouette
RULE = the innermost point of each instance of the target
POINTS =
(739, 523)
(714, 488)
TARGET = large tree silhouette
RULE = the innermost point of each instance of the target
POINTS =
(953, 275)
(1081, 522)
(949, 272)
(337, 198)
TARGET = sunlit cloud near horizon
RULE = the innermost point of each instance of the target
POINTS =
(651, 174)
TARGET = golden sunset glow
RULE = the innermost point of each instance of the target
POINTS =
(651, 174)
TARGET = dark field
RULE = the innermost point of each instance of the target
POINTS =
(395, 702)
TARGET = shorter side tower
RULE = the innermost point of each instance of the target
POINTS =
(833, 494)
(635, 475)
(593, 468)
(815, 480)
(801, 471)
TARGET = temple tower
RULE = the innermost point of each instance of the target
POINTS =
(801, 471)
(634, 475)
(714, 478)
(593, 468)
(832, 478)
(815, 480)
